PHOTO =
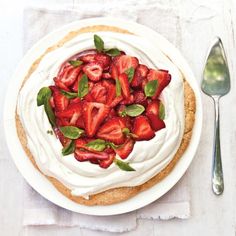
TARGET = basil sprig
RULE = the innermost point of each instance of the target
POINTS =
(130, 73)
(118, 88)
(70, 148)
(123, 165)
(83, 87)
(71, 132)
(43, 98)
(69, 94)
(151, 88)
(134, 110)
(161, 111)
(75, 63)
(97, 145)
(99, 44)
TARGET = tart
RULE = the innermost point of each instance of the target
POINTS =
(103, 119)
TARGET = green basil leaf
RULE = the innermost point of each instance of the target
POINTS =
(112, 145)
(112, 52)
(161, 111)
(130, 73)
(76, 63)
(83, 87)
(69, 94)
(42, 94)
(98, 42)
(49, 111)
(150, 88)
(118, 88)
(123, 165)
(97, 145)
(71, 132)
(134, 110)
(70, 148)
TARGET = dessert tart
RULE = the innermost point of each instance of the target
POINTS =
(104, 115)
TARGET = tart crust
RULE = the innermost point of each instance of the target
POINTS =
(115, 195)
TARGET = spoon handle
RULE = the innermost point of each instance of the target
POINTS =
(217, 172)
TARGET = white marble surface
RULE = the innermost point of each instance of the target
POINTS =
(200, 22)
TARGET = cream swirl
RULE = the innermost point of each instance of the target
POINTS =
(148, 157)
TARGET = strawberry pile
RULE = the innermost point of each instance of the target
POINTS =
(102, 102)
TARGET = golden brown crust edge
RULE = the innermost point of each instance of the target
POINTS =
(115, 195)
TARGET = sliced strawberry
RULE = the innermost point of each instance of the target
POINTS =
(88, 58)
(111, 156)
(116, 101)
(69, 74)
(125, 149)
(125, 62)
(142, 128)
(62, 122)
(104, 59)
(140, 98)
(52, 102)
(75, 100)
(124, 83)
(61, 102)
(156, 122)
(121, 110)
(114, 72)
(111, 114)
(163, 78)
(60, 85)
(80, 143)
(80, 123)
(139, 75)
(93, 113)
(112, 131)
(93, 70)
(152, 112)
(111, 91)
(129, 100)
(75, 85)
(99, 93)
(84, 155)
(106, 75)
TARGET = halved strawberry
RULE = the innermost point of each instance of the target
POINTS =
(61, 102)
(60, 85)
(99, 93)
(75, 85)
(140, 98)
(125, 149)
(152, 112)
(93, 113)
(163, 78)
(93, 70)
(68, 75)
(111, 156)
(139, 75)
(124, 83)
(142, 128)
(84, 155)
(114, 72)
(125, 62)
(73, 112)
(104, 59)
(112, 131)
(111, 91)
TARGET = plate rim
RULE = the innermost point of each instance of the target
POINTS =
(9, 122)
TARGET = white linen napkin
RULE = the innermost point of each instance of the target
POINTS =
(37, 210)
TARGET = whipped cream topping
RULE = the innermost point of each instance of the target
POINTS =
(148, 157)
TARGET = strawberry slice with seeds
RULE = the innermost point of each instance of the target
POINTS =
(93, 70)
(84, 155)
(125, 149)
(60, 85)
(125, 62)
(140, 98)
(88, 58)
(112, 131)
(104, 59)
(152, 112)
(124, 83)
(93, 114)
(139, 75)
(163, 78)
(142, 128)
(111, 156)
(61, 102)
(111, 91)
(99, 93)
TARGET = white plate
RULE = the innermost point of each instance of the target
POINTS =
(38, 181)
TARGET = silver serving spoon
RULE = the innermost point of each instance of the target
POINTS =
(216, 83)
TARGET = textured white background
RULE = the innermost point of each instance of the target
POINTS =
(195, 24)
